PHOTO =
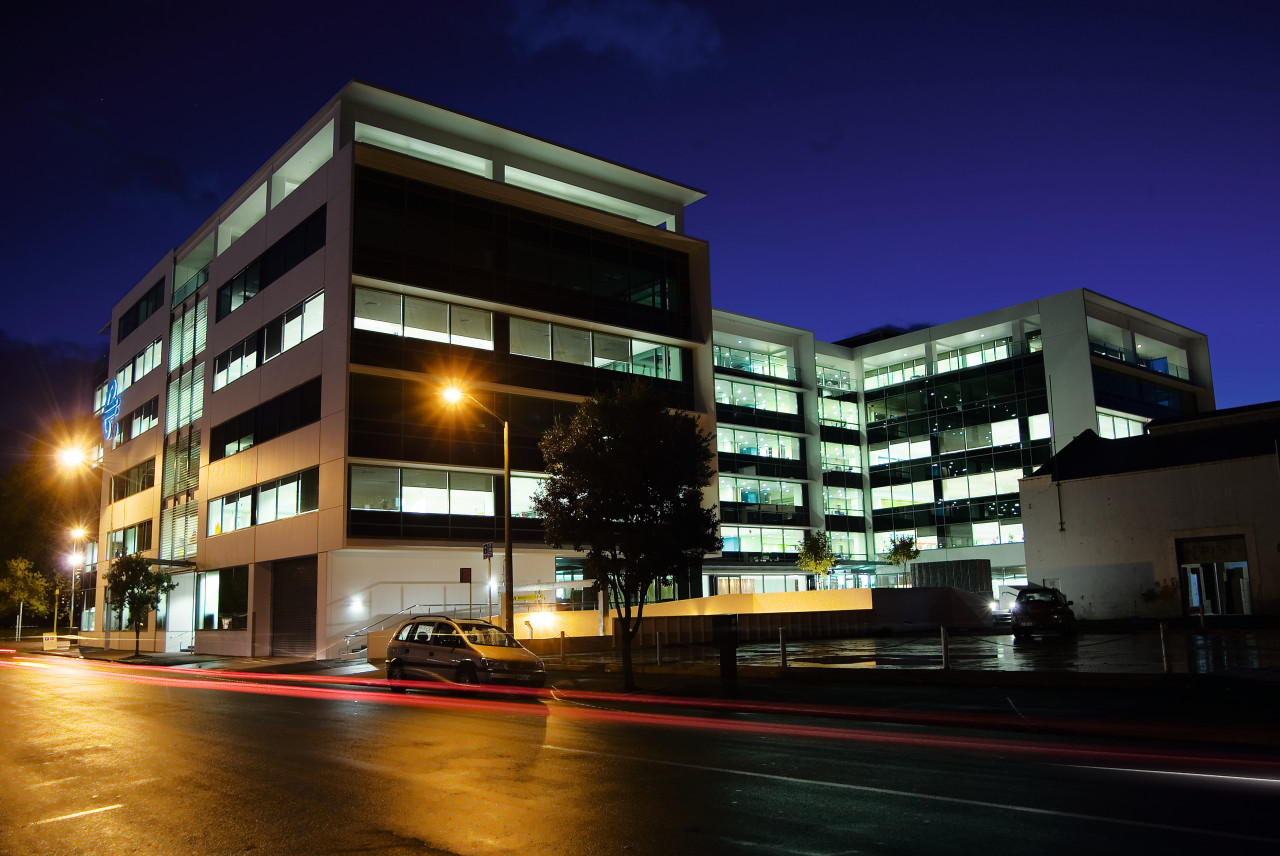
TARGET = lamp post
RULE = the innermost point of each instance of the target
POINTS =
(453, 395)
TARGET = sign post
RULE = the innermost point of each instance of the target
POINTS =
(488, 583)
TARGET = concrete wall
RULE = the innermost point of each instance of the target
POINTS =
(1115, 551)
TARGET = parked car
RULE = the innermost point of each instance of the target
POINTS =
(461, 651)
(1039, 610)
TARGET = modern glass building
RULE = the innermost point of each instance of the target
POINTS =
(275, 435)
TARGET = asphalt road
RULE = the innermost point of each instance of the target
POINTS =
(106, 759)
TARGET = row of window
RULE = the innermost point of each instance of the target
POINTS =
(140, 311)
(756, 362)
(760, 491)
(274, 418)
(995, 483)
(181, 465)
(843, 414)
(280, 258)
(981, 534)
(546, 341)
(274, 500)
(842, 501)
(134, 480)
(129, 540)
(760, 397)
(422, 318)
(142, 419)
(1113, 426)
(132, 372)
(435, 491)
(754, 539)
(763, 444)
(1006, 432)
(278, 335)
(438, 321)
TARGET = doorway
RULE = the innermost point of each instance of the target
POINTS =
(1214, 573)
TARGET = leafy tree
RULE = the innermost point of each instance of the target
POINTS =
(133, 584)
(23, 585)
(626, 481)
(815, 555)
(902, 550)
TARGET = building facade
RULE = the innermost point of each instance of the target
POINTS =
(925, 434)
(1179, 521)
(275, 436)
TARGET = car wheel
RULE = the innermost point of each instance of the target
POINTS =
(466, 674)
(395, 672)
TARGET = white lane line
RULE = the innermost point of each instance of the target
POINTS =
(934, 797)
(78, 814)
(1252, 780)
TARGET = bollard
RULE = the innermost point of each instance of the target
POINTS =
(946, 651)
(782, 644)
(1164, 648)
(562, 660)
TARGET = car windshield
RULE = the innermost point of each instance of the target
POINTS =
(1036, 595)
(487, 634)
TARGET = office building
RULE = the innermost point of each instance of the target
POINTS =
(276, 439)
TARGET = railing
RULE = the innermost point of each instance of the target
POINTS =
(755, 363)
(1124, 355)
(197, 279)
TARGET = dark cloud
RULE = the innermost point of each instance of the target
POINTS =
(662, 37)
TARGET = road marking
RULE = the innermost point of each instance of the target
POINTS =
(1253, 780)
(934, 797)
(78, 814)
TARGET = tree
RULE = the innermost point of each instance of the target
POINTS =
(625, 486)
(23, 589)
(902, 550)
(133, 585)
(815, 555)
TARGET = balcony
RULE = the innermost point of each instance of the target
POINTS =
(765, 365)
(1160, 365)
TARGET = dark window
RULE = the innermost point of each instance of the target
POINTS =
(280, 258)
(141, 311)
(134, 480)
(286, 412)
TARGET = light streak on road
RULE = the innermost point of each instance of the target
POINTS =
(356, 690)
(79, 814)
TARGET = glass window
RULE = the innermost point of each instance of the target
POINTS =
(425, 491)
(471, 494)
(570, 345)
(611, 352)
(531, 338)
(1038, 426)
(426, 319)
(471, 327)
(522, 490)
(375, 488)
(378, 311)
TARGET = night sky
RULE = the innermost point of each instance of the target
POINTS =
(866, 163)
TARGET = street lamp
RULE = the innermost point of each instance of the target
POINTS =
(453, 396)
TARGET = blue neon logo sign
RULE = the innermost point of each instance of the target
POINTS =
(110, 412)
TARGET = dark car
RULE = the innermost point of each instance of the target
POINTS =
(460, 650)
(1040, 610)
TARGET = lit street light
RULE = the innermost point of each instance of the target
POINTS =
(453, 396)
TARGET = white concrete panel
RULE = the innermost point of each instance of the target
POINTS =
(285, 539)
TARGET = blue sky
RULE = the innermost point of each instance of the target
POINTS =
(865, 162)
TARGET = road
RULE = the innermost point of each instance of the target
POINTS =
(105, 759)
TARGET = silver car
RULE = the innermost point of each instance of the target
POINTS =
(460, 650)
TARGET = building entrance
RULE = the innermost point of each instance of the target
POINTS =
(1214, 575)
